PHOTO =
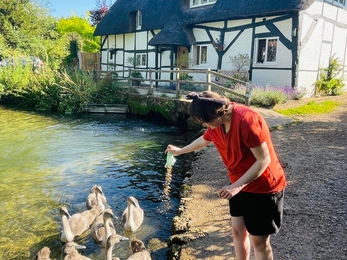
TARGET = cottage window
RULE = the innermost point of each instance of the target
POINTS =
(340, 2)
(200, 54)
(194, 3)
(141, 60)
(266, 50)
(138, 20)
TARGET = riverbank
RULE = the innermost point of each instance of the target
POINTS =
(314, 154)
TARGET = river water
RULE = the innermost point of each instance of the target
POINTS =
(48, 161)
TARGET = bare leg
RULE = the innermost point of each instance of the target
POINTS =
(262, 247)
(240, 238)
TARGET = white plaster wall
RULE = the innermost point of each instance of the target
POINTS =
(104, 55)
(165, 58)
(329, 37)
(328, 31)
(272, 78)
(200, 35)
(129, 41)
(315, 8)
(212, 59)
(151, 59)
(111, 41)
(119, 58)
(339, 44)
(243, 44)
(306, 80)
(261, 29)
(141, 40)
(214, 24)
(285, 28)
(310, 50)
(342, 15)
(239, 22)
(330, 11)
(119, 41)
(325, 55)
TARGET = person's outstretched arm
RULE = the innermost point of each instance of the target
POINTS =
(193, 146)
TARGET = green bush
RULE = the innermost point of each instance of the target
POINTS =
(76, 89)
(267, 98)
(263, 96)
(80, 87)
(329, 81)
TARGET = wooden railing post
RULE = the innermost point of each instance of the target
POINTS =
(129, 80)
(249, 87)
(208, 79)
(177, 82)
(150, 92)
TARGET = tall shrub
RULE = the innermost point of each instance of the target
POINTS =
(329, 81)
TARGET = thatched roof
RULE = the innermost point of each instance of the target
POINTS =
(175, 18)
(175, 33)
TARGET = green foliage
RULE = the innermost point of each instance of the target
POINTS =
(80, 87)
(15, 81)
(136, 74)
(27, 29)
(46, 95)
(267, 98)
(329, 81)
(165, 108)
(79, 26)
(76, 88)
(186, 77)
(310, 108)
(108, 91)
(263, 96)
(21, 86)
(133, 61)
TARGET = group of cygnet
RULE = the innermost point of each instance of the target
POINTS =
(98, 219)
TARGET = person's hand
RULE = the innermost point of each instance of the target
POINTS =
(228, 192)
(173, 149)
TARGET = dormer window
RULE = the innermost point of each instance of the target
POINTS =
(138, 20)
(195, 3)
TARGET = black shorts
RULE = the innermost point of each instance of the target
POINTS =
(262, 213)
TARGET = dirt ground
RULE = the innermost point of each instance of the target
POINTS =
(313, 152)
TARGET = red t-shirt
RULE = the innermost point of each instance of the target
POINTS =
(248, 129)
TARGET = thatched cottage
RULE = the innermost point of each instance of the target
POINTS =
(286, 41)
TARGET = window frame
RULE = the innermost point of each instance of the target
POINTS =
(197, 54)
(208, 2)
(338, 3)
(266, 53)
(138, 20)
(142, 59)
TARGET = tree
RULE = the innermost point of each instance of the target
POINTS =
(76, 25)
(28, 29)
(99, 12)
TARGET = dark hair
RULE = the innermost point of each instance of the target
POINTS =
(207, 106)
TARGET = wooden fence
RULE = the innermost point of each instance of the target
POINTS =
(89, 61)
(224, 83)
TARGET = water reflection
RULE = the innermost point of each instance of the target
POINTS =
(49, 161)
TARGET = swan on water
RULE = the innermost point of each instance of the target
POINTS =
(133, 215)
